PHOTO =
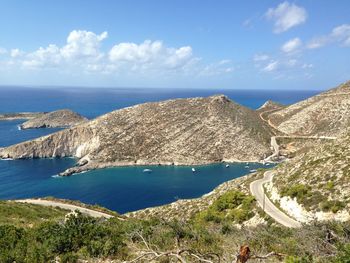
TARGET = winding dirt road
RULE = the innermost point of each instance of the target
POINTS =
(83, 210)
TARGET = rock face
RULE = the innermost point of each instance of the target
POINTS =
(54, 119)
(326, 114)
(180, 131)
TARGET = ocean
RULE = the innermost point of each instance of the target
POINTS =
(122, 189)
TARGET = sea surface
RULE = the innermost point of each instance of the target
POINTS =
(122, 189)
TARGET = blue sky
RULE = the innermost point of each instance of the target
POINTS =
(183, 43)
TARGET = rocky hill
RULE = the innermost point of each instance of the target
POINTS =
(20, 116)
(270, 106)
(180, 131)
(55, 119)
(316, 184)
(326, 114)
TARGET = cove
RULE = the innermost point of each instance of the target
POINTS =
(122, 189)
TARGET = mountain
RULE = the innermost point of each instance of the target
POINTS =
(179, 131)
(54, 119)
(326, 114)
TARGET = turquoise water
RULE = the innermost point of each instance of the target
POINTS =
(121, 189)
(125, 188)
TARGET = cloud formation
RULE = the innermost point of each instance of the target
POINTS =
(286, 16)
(291, 45)
(82, 52)
(339, 34)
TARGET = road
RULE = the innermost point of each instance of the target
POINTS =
(257, 190)
(83, 210)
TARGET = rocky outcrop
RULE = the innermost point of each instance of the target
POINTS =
(179, 132)
(54, 119)
(20, 116)
(326, 114)
(316, 184)
(270, 106)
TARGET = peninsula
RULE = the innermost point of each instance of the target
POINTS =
(173, 132)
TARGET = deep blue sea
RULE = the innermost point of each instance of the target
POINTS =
(124, 188)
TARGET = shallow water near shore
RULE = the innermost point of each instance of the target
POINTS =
(122, 189)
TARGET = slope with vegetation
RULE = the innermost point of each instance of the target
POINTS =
(210, 236)
(318, 180)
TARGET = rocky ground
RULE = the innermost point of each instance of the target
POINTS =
(54, 119)
(325, 114)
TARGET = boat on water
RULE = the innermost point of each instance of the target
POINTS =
(247, 166)
(227, 165)
(193, 170)
(147, 170)
(252, 171)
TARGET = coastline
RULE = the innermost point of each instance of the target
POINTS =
(94, 166)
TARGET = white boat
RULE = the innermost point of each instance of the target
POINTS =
(227, 165)
(252, 171)
(193, 170)
(247, 166)
(147, 170)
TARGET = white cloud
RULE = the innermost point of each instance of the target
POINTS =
(49, 56)
(83, 54)
(82, 44)
(291, 45)
(306, 66)
(339, 34)
(260, 57)
(286, 16)
(16, 53)
(218, 68)
(271, 66)
(150, 54)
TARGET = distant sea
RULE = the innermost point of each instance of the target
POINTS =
(125, 188)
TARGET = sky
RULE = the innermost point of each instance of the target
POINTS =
(207, 44)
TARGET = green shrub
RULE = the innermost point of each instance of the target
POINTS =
(332, 205)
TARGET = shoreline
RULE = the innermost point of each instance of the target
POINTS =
(94, 166)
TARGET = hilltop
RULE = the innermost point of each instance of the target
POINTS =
(55, 119)
(172, 132)
(326, 114)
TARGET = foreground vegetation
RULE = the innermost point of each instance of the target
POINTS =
(212, 235)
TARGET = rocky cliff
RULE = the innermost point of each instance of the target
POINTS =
(180, 131)
(326, 114)
(54, 119)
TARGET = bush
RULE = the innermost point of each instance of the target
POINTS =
(232, 206)
(332, 205)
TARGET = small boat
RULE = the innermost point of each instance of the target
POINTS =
(147, 170)
(247, 166)
(252, 171)
(193, 170)
(227, 165)
(268, 164)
